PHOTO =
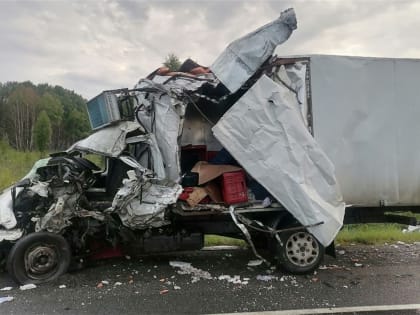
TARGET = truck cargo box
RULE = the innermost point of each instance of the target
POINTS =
(365, 117)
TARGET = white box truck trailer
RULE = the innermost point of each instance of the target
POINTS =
(363, 112)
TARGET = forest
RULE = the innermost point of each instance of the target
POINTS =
(41, 117)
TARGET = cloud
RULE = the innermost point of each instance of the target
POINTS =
(96, 45)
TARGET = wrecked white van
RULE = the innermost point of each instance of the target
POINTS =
(224, 150)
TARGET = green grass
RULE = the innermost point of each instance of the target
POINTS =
(15, 164)
(215, 240)
(369, 234)
(375, 234)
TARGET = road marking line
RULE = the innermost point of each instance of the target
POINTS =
(400, 307)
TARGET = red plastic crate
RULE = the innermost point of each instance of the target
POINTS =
(234, 187)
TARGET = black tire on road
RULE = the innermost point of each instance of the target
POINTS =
(39, 257)
(301, 252)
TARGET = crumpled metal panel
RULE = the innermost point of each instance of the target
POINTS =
(158, 164)
(10, 235)
(294, 77)
(7, 217)
(141, 204)
(109, 141)
(266, 135)
(162, 114)
(242, 58)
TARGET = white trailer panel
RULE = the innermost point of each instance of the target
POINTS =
(366, 115)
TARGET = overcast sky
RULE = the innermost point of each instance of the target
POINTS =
(90, 46)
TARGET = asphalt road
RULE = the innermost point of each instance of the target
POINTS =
(359, 276)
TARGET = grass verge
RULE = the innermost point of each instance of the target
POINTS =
(14, 164)
(369, 234)
(215, 240)
(375, 234)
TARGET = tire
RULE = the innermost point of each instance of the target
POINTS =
(301, 252)
(38, 258)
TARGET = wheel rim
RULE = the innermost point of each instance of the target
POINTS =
(41, 261)
(302, 249)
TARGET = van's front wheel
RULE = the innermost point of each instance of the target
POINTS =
(39, 257)
(301, 252)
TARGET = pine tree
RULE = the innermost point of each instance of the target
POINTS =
(172, 62)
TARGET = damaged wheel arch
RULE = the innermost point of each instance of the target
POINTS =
(39, 257)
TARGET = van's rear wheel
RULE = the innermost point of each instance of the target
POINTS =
(301, 252)
(39, 257)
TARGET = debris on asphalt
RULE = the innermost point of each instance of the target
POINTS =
(235, 279)
(117, 283)
(177, 287)
(267, 277)
(188, 269)
(6, 299)
(6, 289)
(358, 265)
(341, 252)
(254, 263)
(333, 267)
(29, 286)
(62, 286)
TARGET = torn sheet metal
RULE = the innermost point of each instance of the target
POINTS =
(246, 233)
(7, 217)
(10, 235)
(40, 188)
(264, 132)
(162, 112)
(243, 57)
(59, 215)
(142, 203)
(160, 115)
(109, 141)
(158, 164)
(293, 76)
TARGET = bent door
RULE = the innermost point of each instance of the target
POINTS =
(265, 133)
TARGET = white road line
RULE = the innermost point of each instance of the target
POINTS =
(401, 307)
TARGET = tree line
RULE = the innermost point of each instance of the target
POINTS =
(41, 117)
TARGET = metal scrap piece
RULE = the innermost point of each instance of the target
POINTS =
(245, 231)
